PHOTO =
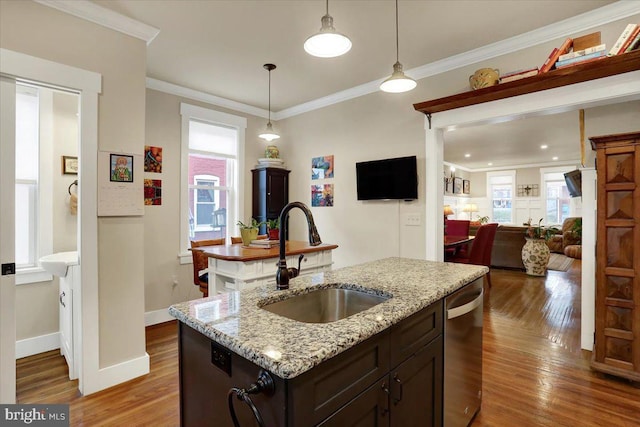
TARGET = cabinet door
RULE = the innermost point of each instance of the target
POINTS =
(416, 389)
(277, 192)
(368, 409)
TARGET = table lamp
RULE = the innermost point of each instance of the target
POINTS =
(470, 207)
(447, 211)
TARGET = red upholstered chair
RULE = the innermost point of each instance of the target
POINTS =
(456, 227)
(480, 253)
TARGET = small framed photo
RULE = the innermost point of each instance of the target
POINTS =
(466, 186)
(69, 165)
(457, 185)
(121, 167)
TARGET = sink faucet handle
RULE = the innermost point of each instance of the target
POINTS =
(299, 262)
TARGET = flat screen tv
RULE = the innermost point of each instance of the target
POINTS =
(574, 183)
(395, 178)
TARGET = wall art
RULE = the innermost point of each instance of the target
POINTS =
(322, 167)
(152, 192)
(457, 185)
(121, 168)
(152, 159)
(69, 165)
(322, 195)
(466, 186)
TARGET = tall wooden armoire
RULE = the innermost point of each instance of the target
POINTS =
(617, 308)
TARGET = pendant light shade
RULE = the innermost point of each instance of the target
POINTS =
(268, 134)
(327, 43)
(399, 81)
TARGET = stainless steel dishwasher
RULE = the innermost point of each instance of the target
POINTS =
(463, 355)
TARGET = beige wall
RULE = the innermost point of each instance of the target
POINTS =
(33, 29)
(161, 223)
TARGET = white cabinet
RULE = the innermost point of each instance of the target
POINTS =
(227, 275)
(69, 320)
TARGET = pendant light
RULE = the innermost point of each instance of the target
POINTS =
(327, 43)
(268, 134)
(398, 82)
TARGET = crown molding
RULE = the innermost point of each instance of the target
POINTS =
(197, 95)
(564, 28)
(582, 22)
(528, 165)
(105, 17)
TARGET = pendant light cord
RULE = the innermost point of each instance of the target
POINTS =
(397, 42)
(327, 7)
(269, 96)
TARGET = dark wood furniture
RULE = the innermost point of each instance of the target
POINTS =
(454, 241)
(606, 67)
(270, 194)
(392, 379)
(617, 315)
(201, 263)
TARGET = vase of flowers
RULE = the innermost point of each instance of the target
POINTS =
(535, 252)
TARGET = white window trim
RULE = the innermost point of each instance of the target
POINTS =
(44, 209)
(543, 182)
(216, 199)
(512, 174)
(189, 112)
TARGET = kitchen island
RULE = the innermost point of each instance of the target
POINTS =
(323, 372)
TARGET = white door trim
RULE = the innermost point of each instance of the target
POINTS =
(89, 85)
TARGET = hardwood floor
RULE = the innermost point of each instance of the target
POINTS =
(534, 371)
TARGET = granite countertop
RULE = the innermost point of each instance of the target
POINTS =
(289, 348)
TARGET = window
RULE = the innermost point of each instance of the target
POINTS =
(33, 200)
(500, 188)
(212, 159)
(556, 195)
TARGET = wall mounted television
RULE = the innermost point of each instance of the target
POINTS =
(395, 178)
(574, 183)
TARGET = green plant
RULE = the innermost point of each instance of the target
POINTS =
(538, 231)
(273, 224)
(254, 224)
(483, 219)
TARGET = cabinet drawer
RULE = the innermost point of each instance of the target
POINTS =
(416, 331)
(237, 269)
(318, 393)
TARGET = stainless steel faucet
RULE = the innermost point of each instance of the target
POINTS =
(284, 274)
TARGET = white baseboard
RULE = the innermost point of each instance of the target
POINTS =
(157, 316)
(117, 374)
(35, 345)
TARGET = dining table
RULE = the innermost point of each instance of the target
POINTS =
(453, 244)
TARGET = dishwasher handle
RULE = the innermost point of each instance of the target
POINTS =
(452, 313)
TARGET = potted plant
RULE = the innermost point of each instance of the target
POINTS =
(249, 232)
(535, 252)
(273, 228)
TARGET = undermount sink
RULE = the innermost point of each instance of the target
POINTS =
(325, 305)
(57, 263)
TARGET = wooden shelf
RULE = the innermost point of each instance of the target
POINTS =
(556, 78)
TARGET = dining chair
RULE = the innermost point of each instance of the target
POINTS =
(456, 227)
(201, 263)
(238, 239)
(480, 252)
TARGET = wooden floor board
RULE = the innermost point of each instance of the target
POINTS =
(534, 372)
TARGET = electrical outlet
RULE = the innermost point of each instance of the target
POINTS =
(412, 220)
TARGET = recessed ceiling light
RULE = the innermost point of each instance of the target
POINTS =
(544, 146)
(467, 155)
(555, 158)
(489, 164)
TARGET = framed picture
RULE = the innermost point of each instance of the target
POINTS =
(322, 167)
(69, 165)
(466, 186)
(121, 168)
(457, 185)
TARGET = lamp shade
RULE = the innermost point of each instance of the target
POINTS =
(470, 207)
(269, 134)
(447, 210)
(398, 82)
(327, 43)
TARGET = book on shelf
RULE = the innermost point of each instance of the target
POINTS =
(584, 61)
(582, 52)
(513, 76)
(624, 36)
(635, 44)
(630, 40)
(580, 59)
(263, 243)
(555, 53)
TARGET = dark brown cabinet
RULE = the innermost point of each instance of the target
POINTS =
(617, 308)
(270, 193)
(392, 379)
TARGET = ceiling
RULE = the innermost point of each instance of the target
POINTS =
(219, 47)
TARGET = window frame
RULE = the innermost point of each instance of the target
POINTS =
(512, 175)
(543, 181)
(42, 244)
(190, 112)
